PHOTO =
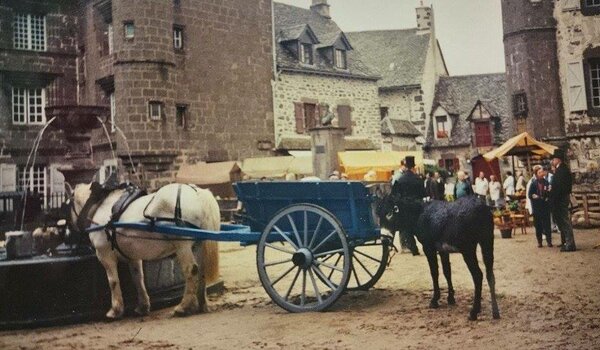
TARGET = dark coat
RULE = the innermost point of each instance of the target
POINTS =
(439, 188)
(409, 185)
(562, 183)
(539, 205)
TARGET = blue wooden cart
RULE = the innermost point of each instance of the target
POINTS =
(314, 239)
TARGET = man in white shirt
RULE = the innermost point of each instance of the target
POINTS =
(509, 184)
(481, 186)
(495, 189)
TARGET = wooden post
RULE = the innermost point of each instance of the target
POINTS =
(586, 213)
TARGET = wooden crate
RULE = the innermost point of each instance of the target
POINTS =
(587, 211)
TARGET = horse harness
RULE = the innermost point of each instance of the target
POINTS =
(131, 193)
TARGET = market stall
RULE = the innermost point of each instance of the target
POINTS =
(358, 163)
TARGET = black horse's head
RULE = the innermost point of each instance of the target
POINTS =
(400, 214)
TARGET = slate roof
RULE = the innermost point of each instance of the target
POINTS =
(397, 55)
(459, 95)
(290, 19)
(391, 126)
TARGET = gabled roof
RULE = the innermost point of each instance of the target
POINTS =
(399, 127)
(397, 55)
(295, 32)
(330, 39)
(288, 20)
(459, 95)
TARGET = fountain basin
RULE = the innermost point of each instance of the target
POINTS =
(72, 287)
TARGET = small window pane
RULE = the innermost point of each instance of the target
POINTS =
(129, 30)
(181, 117)
(340, 59)
(306, 54)
(178, 38)
(155, 110)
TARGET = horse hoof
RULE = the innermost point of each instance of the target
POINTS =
(473, 316)
(434, 305)
(451, 300)
(142, 310)
(114, 315)
(181, 311)
(496, 315)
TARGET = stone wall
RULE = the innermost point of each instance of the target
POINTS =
(405, 104)
(222, 77)
(361, 95)
(577, 35)
(532, 64)
(53, 69)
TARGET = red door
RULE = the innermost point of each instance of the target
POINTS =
(489, 168)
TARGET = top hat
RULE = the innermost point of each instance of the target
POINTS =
(558, 153)
(409, 162)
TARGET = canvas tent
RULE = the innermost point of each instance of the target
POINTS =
(276, 167)
(522, 145)
(217, 177)
(357, 163)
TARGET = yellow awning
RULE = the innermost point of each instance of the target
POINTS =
(520, 145)
(357, 163)
(276, 167)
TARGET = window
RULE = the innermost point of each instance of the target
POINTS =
(590, 7)
(155, 110)
(441, 131)
(178, 38)
(129, 30)
(520, 104)
(109, 34)
(181, 116)
(594, 76)
(340, 59)
(483, 135)
(306, 55)
(28, 106)
(29, 32)
(113, 111)
(33, 179)
(384, 112)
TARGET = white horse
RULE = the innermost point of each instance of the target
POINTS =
(198, 207)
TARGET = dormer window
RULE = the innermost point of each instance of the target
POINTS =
(442, 130)
(340, 59)
(306, 53)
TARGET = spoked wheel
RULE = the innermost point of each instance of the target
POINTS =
(369, 261)
(290, 258)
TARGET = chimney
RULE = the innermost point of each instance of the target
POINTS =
(424, 19)
(320, 7)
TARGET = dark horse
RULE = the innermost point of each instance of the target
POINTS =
(442, 227)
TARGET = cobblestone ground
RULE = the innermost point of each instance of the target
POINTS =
(548, 300)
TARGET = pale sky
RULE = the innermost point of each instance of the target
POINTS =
(469, 31)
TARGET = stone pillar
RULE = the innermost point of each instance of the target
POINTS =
(326, 142)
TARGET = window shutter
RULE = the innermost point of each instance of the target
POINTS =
(299, 116)
(8, 177)
(570, 5)
(345, 118)
(57, 180)
(576, 83)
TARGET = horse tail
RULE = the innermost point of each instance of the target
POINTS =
(487, 251)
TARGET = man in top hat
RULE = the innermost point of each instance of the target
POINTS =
(560, 192)
(410, 187)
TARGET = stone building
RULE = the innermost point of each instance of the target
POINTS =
(553, 62)
(470, 116)
(318, 72)
(185, 80)
(410, 62)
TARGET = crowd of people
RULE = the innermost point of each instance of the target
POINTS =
(547, 193)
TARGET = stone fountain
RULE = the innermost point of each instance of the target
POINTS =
(69, 284)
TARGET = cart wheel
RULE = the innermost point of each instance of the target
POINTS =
(369, 261)
(290, 258)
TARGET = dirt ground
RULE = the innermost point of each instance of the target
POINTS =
(548, 300)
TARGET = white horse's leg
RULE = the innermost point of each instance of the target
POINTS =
(137, 275)
(109, 260)
(191, 272)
